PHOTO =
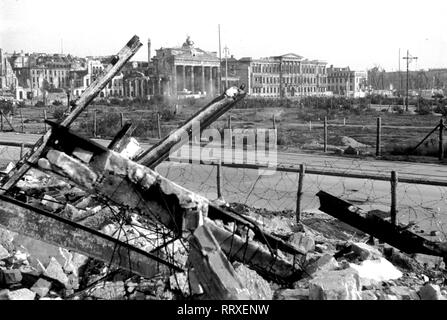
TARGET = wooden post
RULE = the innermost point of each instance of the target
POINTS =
(158, 125)
(94, 124)
(300, 192)
(378, 137)
(393, 211)
(325, 134)
(45, 119)
(1, 120)
(22, 149)
(219, 179)
(122, 119)
(21, 120)
(441, 140)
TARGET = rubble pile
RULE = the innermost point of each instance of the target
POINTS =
(82, 221)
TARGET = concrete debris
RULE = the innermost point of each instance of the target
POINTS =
(10, 277)
(365, 252)
(292, 294)
(322, 264)
(41, 287)
(51, 203)
(54, 271)
(430, 292)
(368, 295)
(3, 253)
(335, 285)
(21, 294)
(179, 282)
(302, 242)
(258, 288)
(404, 293)
(108, 291)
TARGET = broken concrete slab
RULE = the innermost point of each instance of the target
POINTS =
(10, 277)
(365, 251)
(292, 294)
(258, 287)
(324, 263)
(335, 285)
(302, 242)
(41, 287)
(21, 294)
(404, 293)
(51, 203)
(368, 295)
(215, 274)
(54, 271)
(3, 253)
(108, 291)
(430, 292)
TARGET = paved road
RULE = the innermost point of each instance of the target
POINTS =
(426, 205)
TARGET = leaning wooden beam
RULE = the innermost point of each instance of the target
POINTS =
(383, 230)
(87, 96)
(45, 226)
(203, 118)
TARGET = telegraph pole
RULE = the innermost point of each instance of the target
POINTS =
(226, 66)
(220, 64)
(409, 59)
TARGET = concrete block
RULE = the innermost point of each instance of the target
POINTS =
(302, 242)
(430, 292)
(404, 293)
(335, 285)
(10, 277)
(21, 294)
(258, 287)
(325, 263)
(54, 271)
(292, 294)
(365, 251)
(3, 253)
(374, 271)
(41, 287)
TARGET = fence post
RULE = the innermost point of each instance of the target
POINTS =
(325, 134)
(94, 123)
(158, 125)
(121, 119)
(1, 117)
(344, 122)
(230, 131)
(310, 125)
(441, 140)
(379, 134)
(22, 149)
(219, 179)
(21, 120)
(45, 119)
(394, 181)
(300, 192)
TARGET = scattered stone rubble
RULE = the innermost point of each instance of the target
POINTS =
(339, 265)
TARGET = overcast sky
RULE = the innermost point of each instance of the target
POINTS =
(358, 33)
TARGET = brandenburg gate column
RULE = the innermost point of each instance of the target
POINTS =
(203, 80)
(192, 79)
(184, 77)
(210, 84)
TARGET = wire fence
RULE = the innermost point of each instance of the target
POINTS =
(424, 205)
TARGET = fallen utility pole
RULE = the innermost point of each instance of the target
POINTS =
(202, 119)
(42, 225)
(86, 98)
(403, 240)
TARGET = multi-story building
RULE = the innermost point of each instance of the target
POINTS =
(185, 69)
(285, 76)
(347, 82)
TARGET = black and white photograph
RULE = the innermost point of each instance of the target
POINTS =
(225, 156)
